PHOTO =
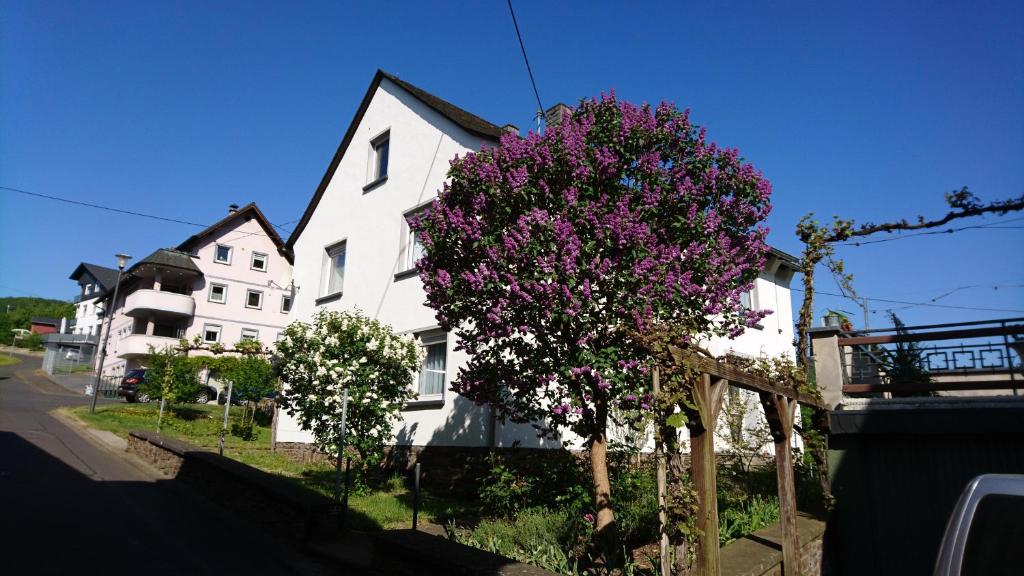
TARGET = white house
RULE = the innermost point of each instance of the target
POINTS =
(229, 282)
(353, 248)
(93, 280)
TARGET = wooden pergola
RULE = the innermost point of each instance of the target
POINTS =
(780, 403)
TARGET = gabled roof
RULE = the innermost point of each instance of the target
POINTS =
(465, 120)
(105, 277)
(45, 321)
(250, 210)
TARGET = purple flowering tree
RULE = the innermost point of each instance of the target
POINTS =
(551, 256)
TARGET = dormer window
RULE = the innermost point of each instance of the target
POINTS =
(259, 262)
(222, 254)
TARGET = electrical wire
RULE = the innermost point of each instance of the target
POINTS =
(129, 212)
(912, 304)
(529, 70)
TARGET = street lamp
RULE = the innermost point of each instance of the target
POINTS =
(122, 261)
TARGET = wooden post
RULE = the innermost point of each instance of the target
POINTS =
(662, 480)
(707, 398)
(780, 412)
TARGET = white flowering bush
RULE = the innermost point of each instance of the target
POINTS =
(347, 351)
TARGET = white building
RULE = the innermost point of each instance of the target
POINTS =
(93, 280)
(353, 248)
(230, 282)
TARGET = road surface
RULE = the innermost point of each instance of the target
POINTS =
(71, 506)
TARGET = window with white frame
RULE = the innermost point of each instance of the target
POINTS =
(334, 269)
(250, 334)
(259, 262)
(218, 293)
(286, 304)
(253, 299)
(222, 254)
(211, 333)
(433, 370)
(379, 149)
(413, 245)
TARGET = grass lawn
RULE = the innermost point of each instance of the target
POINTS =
(383, 505)
(8, 360)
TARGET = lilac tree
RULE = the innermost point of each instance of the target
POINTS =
(551, 256)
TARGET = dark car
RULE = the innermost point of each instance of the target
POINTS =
(129, 388)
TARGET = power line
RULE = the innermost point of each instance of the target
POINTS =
(928, 304)
(129, 212)
(529, 70)
(991, 226)
(100, 207)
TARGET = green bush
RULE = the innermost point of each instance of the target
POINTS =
(171, 376)
(553, 480)
(32, 342)
(742, 519)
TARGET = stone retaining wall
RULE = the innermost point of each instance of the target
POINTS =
(277, 504)
(760, 553)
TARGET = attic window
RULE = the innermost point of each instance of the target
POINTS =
(222, 254)
(379, 152)
(259, 261)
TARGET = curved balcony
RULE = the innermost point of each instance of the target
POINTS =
(143, 302)
(137, 345)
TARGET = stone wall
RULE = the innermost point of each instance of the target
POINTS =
(760, 553)
(274, 503)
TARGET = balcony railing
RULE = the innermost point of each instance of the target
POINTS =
(143, 302)
(912, 360)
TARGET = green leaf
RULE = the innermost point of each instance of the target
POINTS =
(677, 420)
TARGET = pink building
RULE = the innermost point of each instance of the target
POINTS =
(230, 282)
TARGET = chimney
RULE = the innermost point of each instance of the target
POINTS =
(555, 114)
(232, 208)
(510, 129)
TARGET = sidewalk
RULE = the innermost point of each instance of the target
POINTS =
(75, 382)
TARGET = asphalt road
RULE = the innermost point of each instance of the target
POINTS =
(72, 506)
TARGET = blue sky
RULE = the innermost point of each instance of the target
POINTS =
(867, 110)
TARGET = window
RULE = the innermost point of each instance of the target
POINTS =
(286, 304)
(250, 334)
(432, 373)
(413, 245)
(334, 271)
(218, 293)
(88, 288)
(747, 300)
(259, 262)
(211, 333)
(379, 149)
(253, 299)
(222, 254)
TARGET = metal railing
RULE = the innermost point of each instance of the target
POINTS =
(909, 360)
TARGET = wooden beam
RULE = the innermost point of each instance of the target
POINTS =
(780, 412)
(707, 398)
(662, 483)
(740, 378)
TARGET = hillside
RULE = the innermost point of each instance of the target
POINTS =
(23, 308)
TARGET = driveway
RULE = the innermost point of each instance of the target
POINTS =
(69, 506)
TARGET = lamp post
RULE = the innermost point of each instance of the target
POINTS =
(122, 260)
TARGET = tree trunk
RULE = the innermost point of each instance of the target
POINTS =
(605, 526)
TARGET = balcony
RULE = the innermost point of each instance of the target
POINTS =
(144, 302)
(137, 345)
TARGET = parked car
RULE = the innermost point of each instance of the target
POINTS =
(129, 388)
(984, 533)
(237, 399)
